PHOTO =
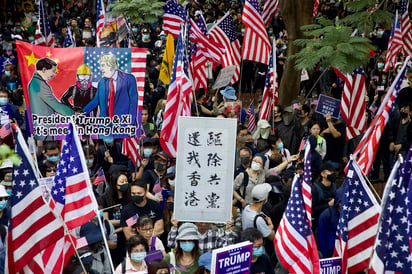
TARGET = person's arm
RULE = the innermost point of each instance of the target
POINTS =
(158, 228)
(279, 168)
(143, 164)
(128, 232)
(331, 127)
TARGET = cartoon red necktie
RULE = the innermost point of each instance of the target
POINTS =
(111, 98)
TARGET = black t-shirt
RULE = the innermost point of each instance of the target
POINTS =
(262, 265)
(152, 209)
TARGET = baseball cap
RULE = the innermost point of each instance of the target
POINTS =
(163, 155)
(260, 192)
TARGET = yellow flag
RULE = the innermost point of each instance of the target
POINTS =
(167, 62)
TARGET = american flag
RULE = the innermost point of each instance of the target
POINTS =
(5, 130)
(224, 33)
(132, 220)
(33, 226)
(130, 148)
(256, 45)
(358, 222)
(199, 60)
(177, 99)
(391, 250)
(210, 49)
(269, 10)
(315, 8)
(173, 18)
(394, 45)
(69, 40)
(408, 202)
(100, 14)
(366, 150)
(252, 121)
(43, 35)
(294, 241)
(100, 178)
(270, 91)
(72, 198)
(406, 29)
(353, 105)
(307, 182)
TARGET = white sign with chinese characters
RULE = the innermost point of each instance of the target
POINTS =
(204, 169)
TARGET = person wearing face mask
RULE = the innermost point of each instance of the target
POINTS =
(10, 80)
(185, 257)
(146, 39)
(276, 148)
(245, 158)
(145, 228)
(110, 153)
(255, 175)
(153, 177)
(4, 211)
(401, 136)
(290, 130)
(51, 154)
(334, 136)
(141, 206)
(7, 108)
(323, 192)
(137, 249)
(261, 263)
(7, 182)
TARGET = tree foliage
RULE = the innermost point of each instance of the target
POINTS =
(331, 43)
(138, 11)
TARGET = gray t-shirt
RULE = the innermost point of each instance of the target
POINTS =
(248, 216)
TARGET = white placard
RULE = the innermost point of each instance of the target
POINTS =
(204, 169)
(224, 77)
(304, 75)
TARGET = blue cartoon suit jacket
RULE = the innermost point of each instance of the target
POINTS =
(125, 100)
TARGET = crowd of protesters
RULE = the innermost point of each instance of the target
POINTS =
(265, 159)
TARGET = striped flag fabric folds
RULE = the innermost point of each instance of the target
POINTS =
(199, 59)
(315, 8)
(138, 66)
(394, 45)
(307, 182)
(130, 148)
(43, 35)
(406, 29)
(366, 150)
(99, 21)
(178, 101)
(69, 40)
(224, 33)
(256, 45)
(173, 18)
(294, 240)
(358, 222)
(353, 105)
(392, 253)
(269, 10)
(251, 114)
(33, 226)
(270, 91)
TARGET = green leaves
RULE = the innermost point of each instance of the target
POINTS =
(139, 11)
(7, 153)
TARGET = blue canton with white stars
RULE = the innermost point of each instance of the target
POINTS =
(227, 26)
(175, 9)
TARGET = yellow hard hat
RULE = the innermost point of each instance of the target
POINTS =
(83, 70)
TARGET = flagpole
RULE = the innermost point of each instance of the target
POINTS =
(88, 183)
(274, 67)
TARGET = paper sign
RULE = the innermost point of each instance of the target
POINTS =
(204, 169)
(233, 109)
(224, 77)
(304, 75)
(330, 265)
(327, 105)
(232, 259)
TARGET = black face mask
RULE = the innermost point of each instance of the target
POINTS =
(404, 115)
(244, 160)
(158, 166)
(137, 199)
(124, 188)
(331, 177)
(170, 205)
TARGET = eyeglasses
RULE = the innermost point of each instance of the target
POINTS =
(146, 229)
(51, 170)
(3, 198)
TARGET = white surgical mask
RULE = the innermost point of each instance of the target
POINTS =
(255, 166)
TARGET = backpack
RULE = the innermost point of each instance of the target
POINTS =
(245, 183)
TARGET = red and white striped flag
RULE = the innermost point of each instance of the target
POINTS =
(270, 91)
(100, 178)
(394, 45)
(199, 59)
(178, 98)
(138, 64)
(315, 8)
(269, 10)
(256, 45)
(251, 114)
(366, 150)
(5, 130)
(353, 105)
(100, 13)
(358, 222)
(43, 35)
(72, 198)
(130, 148)
(224, 33)
(33, 227)
(406, 29)
(307, 183)
(173, 18)
(294, 241)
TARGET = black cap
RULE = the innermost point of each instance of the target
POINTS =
(327, 166)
